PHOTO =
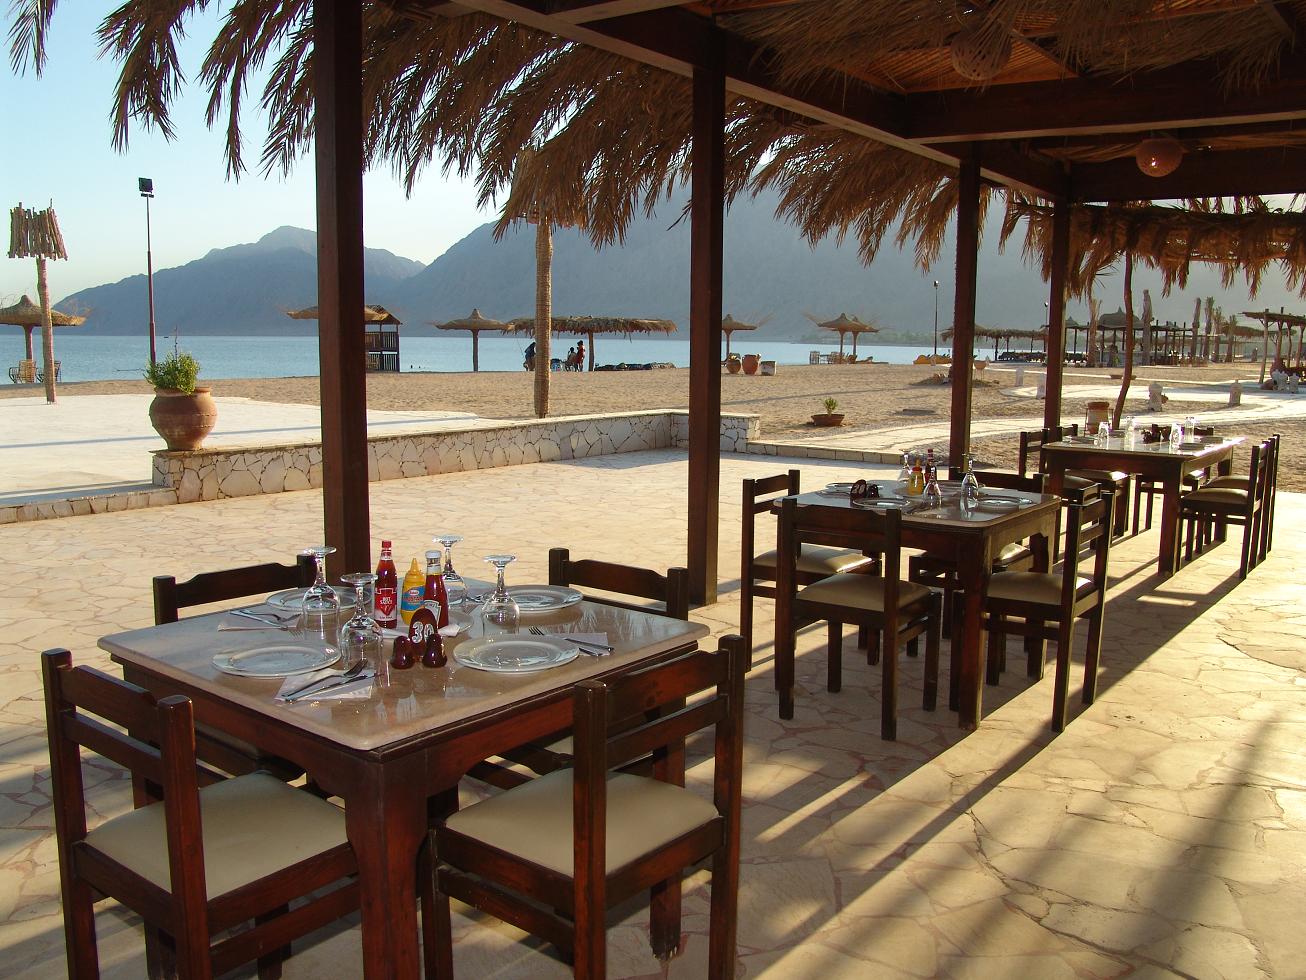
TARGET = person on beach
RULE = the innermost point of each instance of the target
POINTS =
(570, 363)
(530, 357)
(580, 355)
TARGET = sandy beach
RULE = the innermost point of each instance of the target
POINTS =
(872, 396)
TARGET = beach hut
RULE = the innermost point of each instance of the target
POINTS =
(474, 324)
(589, 326)
(27, 315)
(381, 335)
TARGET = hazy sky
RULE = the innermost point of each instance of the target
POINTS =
(63, 153)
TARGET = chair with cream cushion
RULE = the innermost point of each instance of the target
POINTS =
(1045, 605)
(553, 855)
(1152, 488)
(1216, 506)
(897, 610)
(1271, 491)
(201, 860)
(758, 572)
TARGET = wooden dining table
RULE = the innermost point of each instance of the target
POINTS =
(410, 740)
(971, 539)
(1156, 461)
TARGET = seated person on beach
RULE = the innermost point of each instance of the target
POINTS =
(570, 363)
(530, 357)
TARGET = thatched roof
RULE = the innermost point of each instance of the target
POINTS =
(844, 323)
(729, 324)
(587, 326)
(475, 322)
(1280, 320)
(25, 313)
(371, 314)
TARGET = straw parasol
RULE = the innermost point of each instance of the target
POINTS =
(845, 324)
(474, 324)
(729, 325)
(588, 326)
(27, 315)
(371, 314)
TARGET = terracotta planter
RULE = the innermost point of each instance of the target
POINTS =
(183, 420)
(732, 364)
(827, 421)
(1096, 412)
(752, 362)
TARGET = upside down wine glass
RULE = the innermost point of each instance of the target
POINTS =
(454, 585)
(500, 611)
(320, 611)
(361, 637)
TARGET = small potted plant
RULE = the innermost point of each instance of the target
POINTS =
(733, 364)
(182, 412)
(829, 417)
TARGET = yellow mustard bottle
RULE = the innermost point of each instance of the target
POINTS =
(411, 599)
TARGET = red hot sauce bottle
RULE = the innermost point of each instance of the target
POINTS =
(387, 589)
(435, 590)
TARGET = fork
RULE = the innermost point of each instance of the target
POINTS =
(597, 651)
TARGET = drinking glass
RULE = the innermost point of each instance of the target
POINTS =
(905, 475)
(970, 485)
(361, 637)
(500, 611)
(1176, 436)
(1131, 434)
(1103, 436)
(454, 585)
(320, 611)
(933, 493)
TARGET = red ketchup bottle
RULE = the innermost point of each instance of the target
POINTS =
(435, 590)
(387, 589)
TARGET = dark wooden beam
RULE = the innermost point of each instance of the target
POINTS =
(1223, 173)
(338, 150)
(1284, 19)
(1056, 343)
(963, 314)
(707, 244)
(587, 11)
(1171, 98)
(1190, 136)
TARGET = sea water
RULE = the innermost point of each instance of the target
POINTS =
(88, 357)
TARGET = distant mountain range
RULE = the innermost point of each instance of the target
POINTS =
(770, 272)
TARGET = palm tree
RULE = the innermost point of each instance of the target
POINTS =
(35, 234)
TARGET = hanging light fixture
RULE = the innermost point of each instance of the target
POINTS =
(980, 51)
(1159, 157)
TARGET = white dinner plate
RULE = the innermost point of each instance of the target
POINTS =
(294, 598)
(515, 654)
(276, 660)
(538, 598)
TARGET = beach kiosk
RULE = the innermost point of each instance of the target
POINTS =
(382, 335)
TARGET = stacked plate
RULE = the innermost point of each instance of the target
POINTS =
(276, 660)
(516, 654)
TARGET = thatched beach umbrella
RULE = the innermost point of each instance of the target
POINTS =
(729, 325)
(27, 315)
(36, 235)
(845, 324)
(588, 326)
(371, 314)
(474, 324)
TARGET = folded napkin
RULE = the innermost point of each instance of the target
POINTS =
(358, 689)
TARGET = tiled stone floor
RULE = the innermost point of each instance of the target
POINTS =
(1163, 834)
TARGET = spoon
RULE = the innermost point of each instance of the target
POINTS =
(326, 682)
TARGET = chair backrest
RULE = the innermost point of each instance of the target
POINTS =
(230, 583)
(1259, 469)
(868, 531)
(1002, 480)
(26, 372)
(633, 715)
(759, 495)
(1031, 441)
(1088, 534)
(671, 589)
(158, 745)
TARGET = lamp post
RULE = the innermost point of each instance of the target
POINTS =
(936, 319)
(146, 187)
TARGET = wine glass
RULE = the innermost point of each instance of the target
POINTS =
(500, 609)
(970, 485)
(904, 476)
(361, 637)
(454, 586)
(320, 610)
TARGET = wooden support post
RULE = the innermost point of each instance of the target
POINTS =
(707, 210)
(963, 316)
(1056, 343)
(338, 129)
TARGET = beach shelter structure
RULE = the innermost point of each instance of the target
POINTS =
(1282, 322)
(845, 324)
(474, 323)
(27, 315)
(381, 335)
(729, 325)
(590, 326)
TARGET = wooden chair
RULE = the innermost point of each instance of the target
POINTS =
(1110, 481)
(897, 610)
(1272, 493)
(40, 372)
(24, 373)
(1045, 605)
(1146, 485)
(940, 571)
(202, 860)
(170, 596)
(553, 855)
(757, 573)
(1215, 507)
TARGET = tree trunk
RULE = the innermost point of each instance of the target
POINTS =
(591, 353)
(1197, 325)
(47, 330)
(1129, 341)
(1265, 343)
(543, 313)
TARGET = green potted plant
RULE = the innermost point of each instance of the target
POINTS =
(830, 417)
(182, 412)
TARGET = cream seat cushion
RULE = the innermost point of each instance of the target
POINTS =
(1011, 552)
(254, 825)
(860, 592)
(1228, 483)
(1037, 587)
(1099, 476)
(534, 821)
(1218, 495)
(818, 559)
